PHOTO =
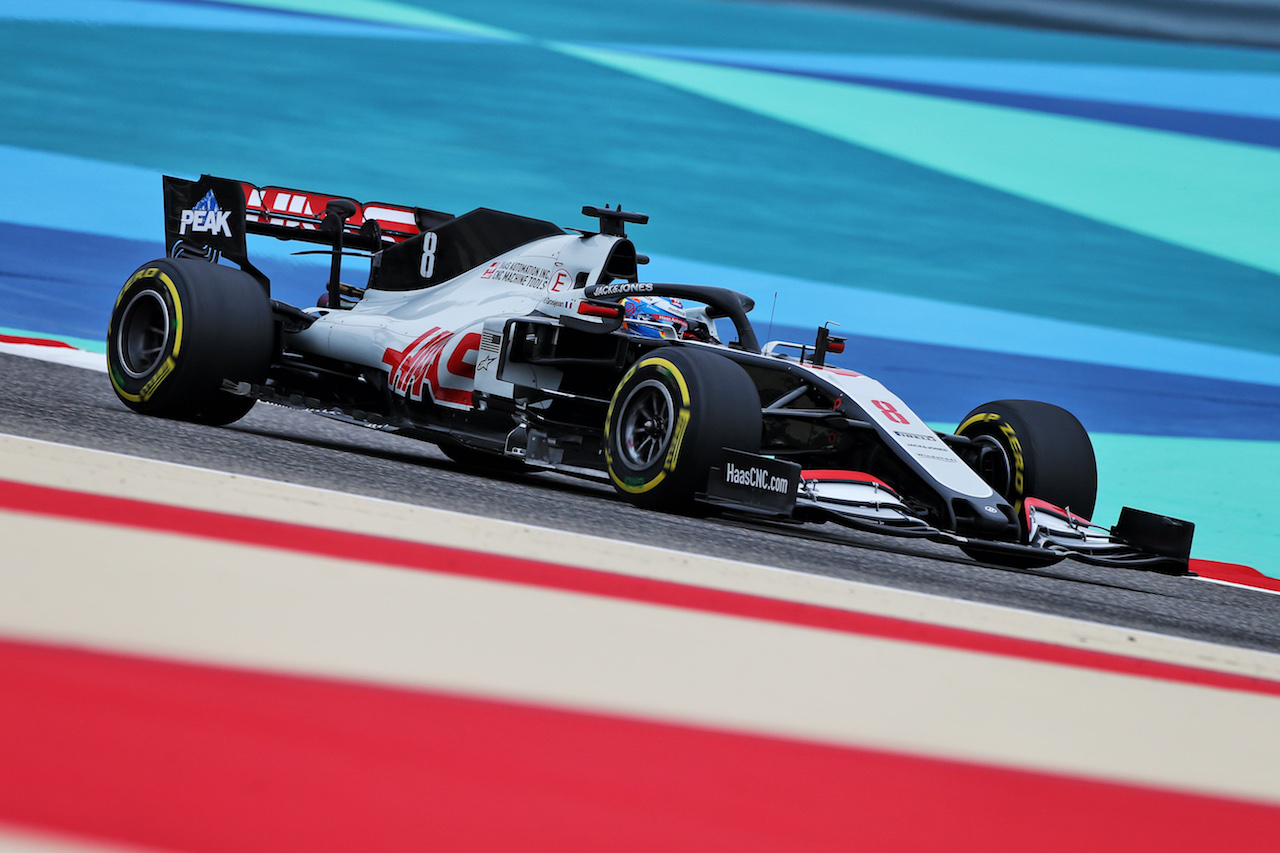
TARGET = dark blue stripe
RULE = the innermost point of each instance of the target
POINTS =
(65, 283)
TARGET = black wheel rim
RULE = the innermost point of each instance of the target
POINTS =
(645, 425)
(144, 333)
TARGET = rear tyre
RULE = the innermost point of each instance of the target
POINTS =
(1023, 448)
(178, 329)
(668, 420)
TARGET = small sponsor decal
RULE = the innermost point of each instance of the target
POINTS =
(756, 478)
(925, 445)
(754, 483)
(206, 218)
(682, 424)
(619, 289)
(1019, 464)
(922, 436)
(516, 272)
(154, 382)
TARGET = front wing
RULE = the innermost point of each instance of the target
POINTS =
(762, 486)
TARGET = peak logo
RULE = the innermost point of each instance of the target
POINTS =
(206, 218)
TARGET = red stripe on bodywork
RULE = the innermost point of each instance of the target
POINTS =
(205, 758)
(37, 342)
(82, 506)
(843, 476)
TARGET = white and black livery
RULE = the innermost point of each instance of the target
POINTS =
(506, 341)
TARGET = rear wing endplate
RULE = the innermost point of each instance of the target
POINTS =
(211, 217)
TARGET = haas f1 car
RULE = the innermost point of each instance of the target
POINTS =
(515, 344)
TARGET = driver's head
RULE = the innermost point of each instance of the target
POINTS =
(655, 317)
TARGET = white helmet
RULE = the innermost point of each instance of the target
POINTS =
(655, 317)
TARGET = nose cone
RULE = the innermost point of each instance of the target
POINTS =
(988, 518)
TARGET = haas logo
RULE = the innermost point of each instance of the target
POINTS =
(447, 377)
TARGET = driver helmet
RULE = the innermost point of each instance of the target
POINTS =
(655, 317)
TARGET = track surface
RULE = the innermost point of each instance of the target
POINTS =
(73, 406)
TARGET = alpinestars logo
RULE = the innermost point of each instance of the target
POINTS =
(206, 218)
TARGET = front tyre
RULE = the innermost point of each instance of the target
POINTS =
(668, 420)
(179, 328)
(1024, 448)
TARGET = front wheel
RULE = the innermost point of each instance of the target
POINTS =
(179, 328)
(1024, 448)
(670, 417)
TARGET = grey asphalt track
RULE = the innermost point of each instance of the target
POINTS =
(74, 406)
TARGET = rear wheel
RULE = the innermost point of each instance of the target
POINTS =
(178, 329)
(668, 420)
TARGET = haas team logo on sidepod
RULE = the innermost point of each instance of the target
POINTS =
(420, 362)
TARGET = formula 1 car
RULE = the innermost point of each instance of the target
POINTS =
(513, 344)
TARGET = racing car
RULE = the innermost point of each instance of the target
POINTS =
(515, 344)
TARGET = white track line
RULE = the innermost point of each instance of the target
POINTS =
(1239, 585)
(59, 355)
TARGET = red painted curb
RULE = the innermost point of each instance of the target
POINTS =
(1235, 573)
(39, 342)
(207, 758)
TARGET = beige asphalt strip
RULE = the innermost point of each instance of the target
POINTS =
(187, 598)
(197, 600)
(15, 839)
(99, 472)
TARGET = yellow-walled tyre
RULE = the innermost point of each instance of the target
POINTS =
(1024, 448)
(668, 420)
(179, 328)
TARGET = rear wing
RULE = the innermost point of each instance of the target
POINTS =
(211, 216)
